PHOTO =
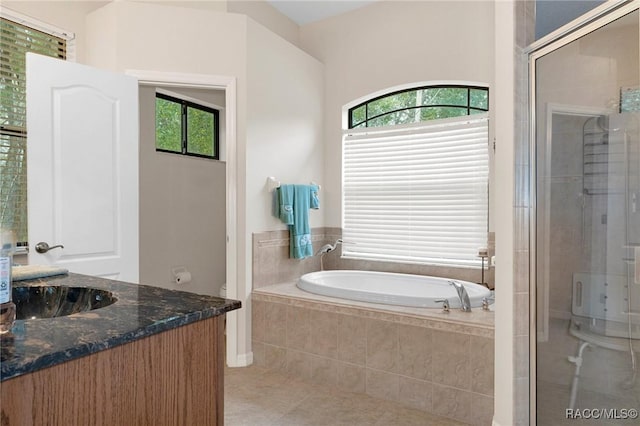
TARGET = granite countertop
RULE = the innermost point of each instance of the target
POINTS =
(140, 311)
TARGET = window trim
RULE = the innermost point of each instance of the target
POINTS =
(365, 103)
(189, 103)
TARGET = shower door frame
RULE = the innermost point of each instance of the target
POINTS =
(587, 23)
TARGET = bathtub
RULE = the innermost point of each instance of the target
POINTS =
(390, 288)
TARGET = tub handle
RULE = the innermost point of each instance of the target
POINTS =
(445, 304)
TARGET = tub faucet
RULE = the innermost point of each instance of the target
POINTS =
(465, 303)
(328, 247)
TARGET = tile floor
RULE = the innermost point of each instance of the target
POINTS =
(255, 396)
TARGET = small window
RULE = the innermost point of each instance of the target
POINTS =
(420, 104)
(187, 128)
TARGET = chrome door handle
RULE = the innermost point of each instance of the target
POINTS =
(43, 247)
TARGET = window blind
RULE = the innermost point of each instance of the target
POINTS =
(15, 41)
(417, 194)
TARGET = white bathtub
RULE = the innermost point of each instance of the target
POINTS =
(390, 288)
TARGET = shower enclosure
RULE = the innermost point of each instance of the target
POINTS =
(586, 181)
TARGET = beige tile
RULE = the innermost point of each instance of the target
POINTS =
(298, 329)
(414, 351)
(521, 314)
(298, 364)
(451, 402)
(352, 339)
(351, 378)
(382, 385)
(521, 400)
(275, 323)
(275, 358)
(258, 353)
(382, 345)
(324, 371)
(482, 409)
(257, 320)
(256, 396)
(407, 416)
(521, 237)
(482, 361)
(521, 271)
(324, 333)
(521, 356)
(450, 361)
(415, 393)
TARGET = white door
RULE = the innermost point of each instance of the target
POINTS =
(82, 168)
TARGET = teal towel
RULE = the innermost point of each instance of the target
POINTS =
(300, 232)
(284, 205)
(315, 198)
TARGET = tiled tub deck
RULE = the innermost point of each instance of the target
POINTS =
(424, 358)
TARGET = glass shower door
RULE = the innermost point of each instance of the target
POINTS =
(587, 162)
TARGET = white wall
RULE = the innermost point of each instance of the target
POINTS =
(504, 212)
(182, 207)
(284, 123)
(284, 129)
(390, 43)
(279, 88)
(267, 16)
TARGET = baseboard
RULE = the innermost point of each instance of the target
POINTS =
(242, 360)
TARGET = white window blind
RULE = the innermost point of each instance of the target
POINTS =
(15, 41)
(418, 193)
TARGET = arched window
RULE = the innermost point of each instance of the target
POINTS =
(415, 176)
(420, 104)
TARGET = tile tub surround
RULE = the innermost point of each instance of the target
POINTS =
(139, 311)
(271, 263)
(422, 358)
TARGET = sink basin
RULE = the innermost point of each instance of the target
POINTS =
(57, 301)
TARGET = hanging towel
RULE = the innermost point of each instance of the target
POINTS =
(284, 204)
(304, 198)
(30, 272)
(315, 199)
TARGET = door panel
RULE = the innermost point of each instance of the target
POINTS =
(83, 167)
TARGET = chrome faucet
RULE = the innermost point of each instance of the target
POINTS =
(328, 247)
(465, 303)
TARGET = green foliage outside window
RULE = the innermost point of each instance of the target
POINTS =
(186, 128)
(200, 129)
(168, 125)
(421, 104)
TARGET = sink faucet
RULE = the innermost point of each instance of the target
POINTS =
(465, 303)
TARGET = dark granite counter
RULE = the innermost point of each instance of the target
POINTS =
(139, 311)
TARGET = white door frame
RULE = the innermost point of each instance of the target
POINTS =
(228, 84)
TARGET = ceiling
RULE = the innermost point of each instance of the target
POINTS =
(550, 14)
(304, 12)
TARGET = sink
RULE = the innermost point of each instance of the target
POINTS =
(58, 301)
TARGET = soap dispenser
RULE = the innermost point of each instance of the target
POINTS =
(7, 307)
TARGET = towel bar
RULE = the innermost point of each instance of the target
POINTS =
(273, 183)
